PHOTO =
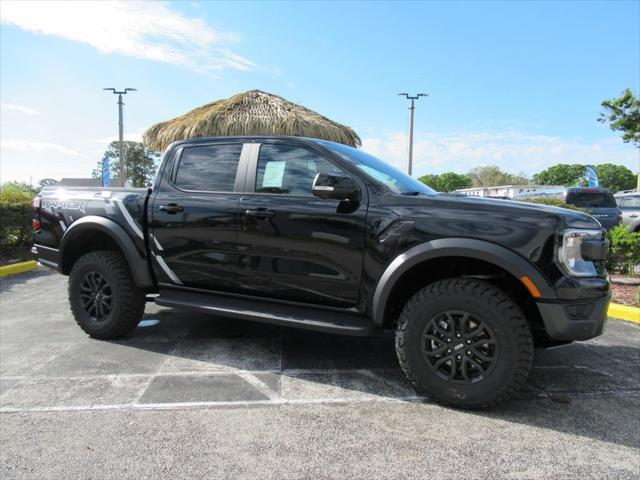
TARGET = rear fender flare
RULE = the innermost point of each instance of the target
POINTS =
(137, 263)
(454, 247)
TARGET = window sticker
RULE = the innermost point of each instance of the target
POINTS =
(273, 174)
(311, 165)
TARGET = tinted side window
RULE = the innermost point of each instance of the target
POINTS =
(289, 170)
(208, 168)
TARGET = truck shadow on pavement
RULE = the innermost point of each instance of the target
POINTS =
(588, 389)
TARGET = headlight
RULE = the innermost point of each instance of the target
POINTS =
(570, 252)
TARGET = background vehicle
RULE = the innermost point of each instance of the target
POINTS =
(629, 204)
(598, 201)
(313, 234)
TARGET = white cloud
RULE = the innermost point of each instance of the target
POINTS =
(22, 109)
(145, 30)
(512, 151)
(37, 147)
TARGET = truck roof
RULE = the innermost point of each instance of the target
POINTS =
(249, 137)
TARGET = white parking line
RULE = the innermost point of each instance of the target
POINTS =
(199, 405)
(259, 385)
(294, 372)
(274, 402)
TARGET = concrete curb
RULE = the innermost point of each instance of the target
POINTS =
(16, 268)
(624, 312)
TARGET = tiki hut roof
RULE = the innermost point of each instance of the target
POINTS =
(249, 113)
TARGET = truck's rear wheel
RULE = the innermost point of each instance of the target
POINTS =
(464, 343)
(103, 296)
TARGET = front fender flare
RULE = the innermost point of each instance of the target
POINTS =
(454, 247)
(137, 263)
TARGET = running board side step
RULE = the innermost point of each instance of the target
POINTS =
(279, 314)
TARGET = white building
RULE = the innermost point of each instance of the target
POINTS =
(510, 191)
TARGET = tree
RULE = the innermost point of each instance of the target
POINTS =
(615, 177)
(450, 181)
(47, 182)
(139, 161)
(561, 174)
(432, 181)
(611, 176)
(492, 176)
(623, 114)
(17, 189)
(446, 182)
(519, 179)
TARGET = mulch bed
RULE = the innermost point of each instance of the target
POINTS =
(625, 294)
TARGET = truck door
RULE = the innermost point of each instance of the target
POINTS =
(295, 246)
(194, 218)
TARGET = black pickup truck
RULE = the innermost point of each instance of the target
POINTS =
(313, 234)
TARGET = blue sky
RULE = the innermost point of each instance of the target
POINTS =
(515, 84)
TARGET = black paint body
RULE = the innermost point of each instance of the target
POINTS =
(314, 252)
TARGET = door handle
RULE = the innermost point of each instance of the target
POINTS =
(259, 214)
(171, 208)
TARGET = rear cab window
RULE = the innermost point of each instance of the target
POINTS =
(591, 199)
(208, 168)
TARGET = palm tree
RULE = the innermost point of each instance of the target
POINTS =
(249, 113)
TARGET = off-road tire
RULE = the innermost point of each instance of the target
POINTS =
(127, 300)
(513, 340)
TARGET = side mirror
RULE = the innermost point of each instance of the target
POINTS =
(336, 186)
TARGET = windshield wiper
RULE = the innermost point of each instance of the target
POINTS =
(416, 193)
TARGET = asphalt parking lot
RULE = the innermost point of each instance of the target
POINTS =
(194, 396)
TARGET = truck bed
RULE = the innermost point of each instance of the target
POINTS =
(60, 207)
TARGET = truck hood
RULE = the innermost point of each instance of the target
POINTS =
(564, 217)
(528, 229)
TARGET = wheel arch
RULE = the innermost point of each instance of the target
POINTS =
(459, 248)
(92, 233)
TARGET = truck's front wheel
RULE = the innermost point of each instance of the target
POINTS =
(464, 343)
(103, 296)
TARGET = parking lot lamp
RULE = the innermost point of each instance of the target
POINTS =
(411, 110)
(121, 170)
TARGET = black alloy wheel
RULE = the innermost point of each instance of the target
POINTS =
(96, 296)
(460, 347)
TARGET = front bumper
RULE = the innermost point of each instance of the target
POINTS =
(575, 320)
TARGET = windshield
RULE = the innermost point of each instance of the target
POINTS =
(384, 173)
(591, 199)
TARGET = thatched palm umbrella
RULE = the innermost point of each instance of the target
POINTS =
(250, 113)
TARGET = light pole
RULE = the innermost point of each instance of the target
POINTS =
(121, 172)
(411, 110)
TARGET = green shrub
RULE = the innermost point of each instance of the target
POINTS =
(624, 251)
(16, 232)
(554, 202)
